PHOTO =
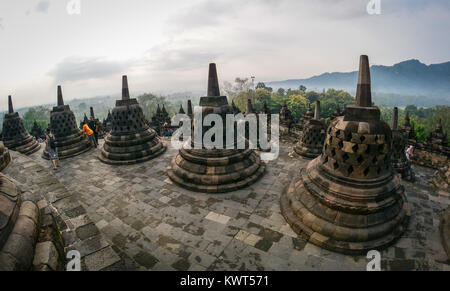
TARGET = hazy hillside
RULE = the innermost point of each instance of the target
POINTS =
(409, 78)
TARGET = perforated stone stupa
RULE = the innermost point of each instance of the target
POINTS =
(411, 137)
(5, 157)
(14, 136)
(19, 223)
(348, 200)
(285, 115)
(313, 136)
(434, 152)
(69, 138)
(249, 110)
(438, 140)
(131, 140)
(107, 123)
(37, 131)
(398, 159)
(441, 178)
(9, 212)
(215, 170)
(335, 114)
(305, 118)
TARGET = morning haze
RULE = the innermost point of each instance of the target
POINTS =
(163, 45)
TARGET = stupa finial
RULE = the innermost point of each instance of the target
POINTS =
(125, 90)
(213, 81)
(249, 108)
(10, 105)
(189, 108)
(181, 111)
(60, 96)
(317, 110)
(395, 118)
(363, 91)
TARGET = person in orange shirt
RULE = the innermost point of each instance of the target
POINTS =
(87, 131)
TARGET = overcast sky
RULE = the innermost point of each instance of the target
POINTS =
(165, 46)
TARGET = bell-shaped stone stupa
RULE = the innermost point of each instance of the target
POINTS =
(305, 118)
(398, 159)
(348, 200)
(335, 114)
(131, 140)
(215, 170)
(411, 136)
(5, 157)
(15, 137)
(37, 131)
(313, 136)
(70, 141)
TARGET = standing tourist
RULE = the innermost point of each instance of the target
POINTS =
(166, 129)
(50, 143)
(409, 152)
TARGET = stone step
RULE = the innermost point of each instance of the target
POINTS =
(77, 229)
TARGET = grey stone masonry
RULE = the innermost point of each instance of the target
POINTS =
(134, 218)
(77, 230)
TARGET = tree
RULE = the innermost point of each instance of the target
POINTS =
(281, 91)
(40, 114)
(261, 85)
(331, 99)
(261, 96)
(312, 96)
(302, 88)
(298, 105)
(241, 99)
(149, 103)
(239, 85)
(421, 133)
(82, 107)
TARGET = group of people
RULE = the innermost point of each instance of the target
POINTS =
(90, 130)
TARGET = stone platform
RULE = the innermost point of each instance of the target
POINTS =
(134, 218)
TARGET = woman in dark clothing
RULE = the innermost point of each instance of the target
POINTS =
(50, 142)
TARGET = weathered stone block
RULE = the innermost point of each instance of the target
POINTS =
(46, 254)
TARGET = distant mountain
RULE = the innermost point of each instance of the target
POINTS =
(411, 78)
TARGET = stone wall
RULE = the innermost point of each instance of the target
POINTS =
(424, 157)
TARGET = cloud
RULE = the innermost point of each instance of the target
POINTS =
(204, 14)
(80, 69)
(42, 6)
(1, 25)
(179, 55)
(281, 34)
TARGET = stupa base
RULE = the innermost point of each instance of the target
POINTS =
(444, 229)
(404, 169)
(69, 153)
(353, 236)
(25, 146)
(103, 157)
(129, 149)
(5, 158)
(301, 151)
(215, 171)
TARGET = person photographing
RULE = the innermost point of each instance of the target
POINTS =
(90, 134)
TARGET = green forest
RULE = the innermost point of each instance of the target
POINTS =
(424, 120)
